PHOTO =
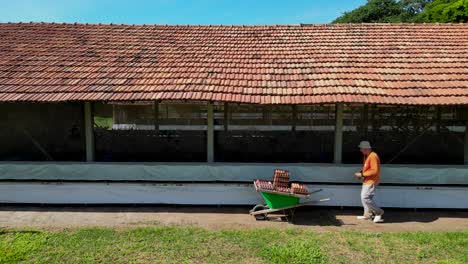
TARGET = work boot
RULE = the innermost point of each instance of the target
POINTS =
(378, 219)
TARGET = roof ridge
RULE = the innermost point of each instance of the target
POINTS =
(236, 25)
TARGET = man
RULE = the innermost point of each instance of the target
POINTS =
(370, 175)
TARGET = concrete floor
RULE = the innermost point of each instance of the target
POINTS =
(316, 218)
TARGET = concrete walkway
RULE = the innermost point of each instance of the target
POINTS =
(316, 218)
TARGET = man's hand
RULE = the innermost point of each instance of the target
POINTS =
(358, 175)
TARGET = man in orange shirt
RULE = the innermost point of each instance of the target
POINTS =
(370, 175)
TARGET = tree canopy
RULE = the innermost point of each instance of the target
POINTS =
(406, 11)
(444, 11)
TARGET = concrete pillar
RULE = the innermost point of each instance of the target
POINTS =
(226, 117)
(294, 118)
(438, 118)
(466, 143)
(156, 116)
(365, 121)
(210, 133)
(267, 115)
(89, 131)
(372, 118)
(338, 146)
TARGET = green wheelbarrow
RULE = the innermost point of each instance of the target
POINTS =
(281, 202)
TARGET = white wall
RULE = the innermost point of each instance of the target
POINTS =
(220, 194)
(227, 172)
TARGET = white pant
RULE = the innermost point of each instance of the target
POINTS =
(367, 199)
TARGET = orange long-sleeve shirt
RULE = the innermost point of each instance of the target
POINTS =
(371, 169)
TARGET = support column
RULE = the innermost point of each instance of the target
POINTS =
(466, 143)
(438, 118)
(227, 117)
(372, 118)
(267, 115)
(294, 118)
(210, 133)
(156, 116)
(365, 121)
(338, 147)
(89, 131)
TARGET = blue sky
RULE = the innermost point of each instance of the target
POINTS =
(246, 12)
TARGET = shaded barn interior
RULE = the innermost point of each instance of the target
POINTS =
(406, 134)
(149, 132)
(176, 131)
(42, 132)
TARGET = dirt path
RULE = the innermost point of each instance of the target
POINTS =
(320, 219)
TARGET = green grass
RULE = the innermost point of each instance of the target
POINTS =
(183, 244)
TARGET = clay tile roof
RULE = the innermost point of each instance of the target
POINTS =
(284, 64)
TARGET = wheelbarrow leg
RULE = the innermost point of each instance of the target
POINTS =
(288, 215)
(292, 213)
(285, 217)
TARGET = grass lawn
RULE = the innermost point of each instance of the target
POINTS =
(184, 244)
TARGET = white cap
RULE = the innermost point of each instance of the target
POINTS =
(364, 145)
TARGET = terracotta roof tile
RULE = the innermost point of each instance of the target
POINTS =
(362, 63)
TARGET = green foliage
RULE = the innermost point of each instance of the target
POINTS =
(373, 11)
(103, 122)
(445, 11)
(394, 11)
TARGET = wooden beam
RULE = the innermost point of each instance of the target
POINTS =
(210, 133)
(89, 131)
(338, 146)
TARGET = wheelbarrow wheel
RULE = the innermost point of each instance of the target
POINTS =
(260, 207)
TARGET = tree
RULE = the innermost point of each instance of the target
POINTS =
(372, 11)
(445, 11)
(394, 11)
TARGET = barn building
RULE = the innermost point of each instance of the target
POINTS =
(192, 114)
